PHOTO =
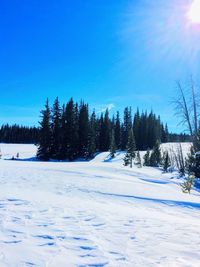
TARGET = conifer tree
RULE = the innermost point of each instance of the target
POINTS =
(117, 131)
(44, 148)
(56, 130)
(130, 154)
(92, 136)
(166, 161)
(136, 125)
(83, 130)
(138, 161)
(155, 158)
(127, 125)
(112, 145)
(147, 158)
(71, 131)
(104, 133)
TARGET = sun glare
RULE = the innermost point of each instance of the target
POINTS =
(194, 13)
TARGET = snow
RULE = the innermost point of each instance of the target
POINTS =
(96, 213)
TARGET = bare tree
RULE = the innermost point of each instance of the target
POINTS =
(187, 107)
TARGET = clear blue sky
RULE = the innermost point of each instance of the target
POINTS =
(115, 53)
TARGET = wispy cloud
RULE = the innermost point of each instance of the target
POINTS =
(103, 107)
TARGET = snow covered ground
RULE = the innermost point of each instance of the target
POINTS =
(96, 213)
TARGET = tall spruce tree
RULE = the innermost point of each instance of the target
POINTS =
(130, 154)
(56, 131)
(104, 132)
(127, 125)
(147, 158)
(166, 161)
(83, 130)
(112, 145)
(44, 149)
(92, 139)
(71, 131)
(117, 131)
(155, 158)
(138, 161)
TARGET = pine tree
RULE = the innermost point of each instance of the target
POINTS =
(166, 161)
(147, 158)
(92, 136)
(83, 130)
(138, 161)
(155, 158)
(44, 148)
(136, 125)
(56, 131)
(71, 131)
(104, 132)
(117, 131)
(127, 125)
(130, 154)
(112, 146)
(196, 141)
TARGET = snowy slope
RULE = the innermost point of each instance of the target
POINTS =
(96, 213)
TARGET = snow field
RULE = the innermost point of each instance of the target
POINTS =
(96, 213)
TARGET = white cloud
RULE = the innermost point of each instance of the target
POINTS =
(108, 107)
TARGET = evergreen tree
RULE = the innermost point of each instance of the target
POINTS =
(136, 127)
(112, 145)
(117, 131)
(71, 130)
(83, 130)
(44, 148)
(92, 136)
(104, 134)
(155, 158)
(127, 125)
(56, 131)
(166, 161)
(147, 158)
(138, 161)
(196, 141)
(130, 154)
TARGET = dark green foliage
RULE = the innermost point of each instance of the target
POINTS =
(44, 149)
(84, 129)
(112, 145)
(104, 132)
(147, 158)
(196, 142)
(117, 129)
(138, 161)
(166, 161)
(126, 126)
(131, 148)
(56, 131)
(71, 132)
(19, 134)
(155, 158)
(92, 137)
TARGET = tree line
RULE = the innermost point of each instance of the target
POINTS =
(70, 131)
(19, 134)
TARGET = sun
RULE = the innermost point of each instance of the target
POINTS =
(194, 12)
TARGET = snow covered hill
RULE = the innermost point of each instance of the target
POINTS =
(96, 213)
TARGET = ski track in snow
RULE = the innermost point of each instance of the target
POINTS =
(94, 214)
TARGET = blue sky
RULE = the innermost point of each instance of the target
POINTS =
(109, 53)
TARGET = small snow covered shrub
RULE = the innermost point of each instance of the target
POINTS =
(187, 185)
